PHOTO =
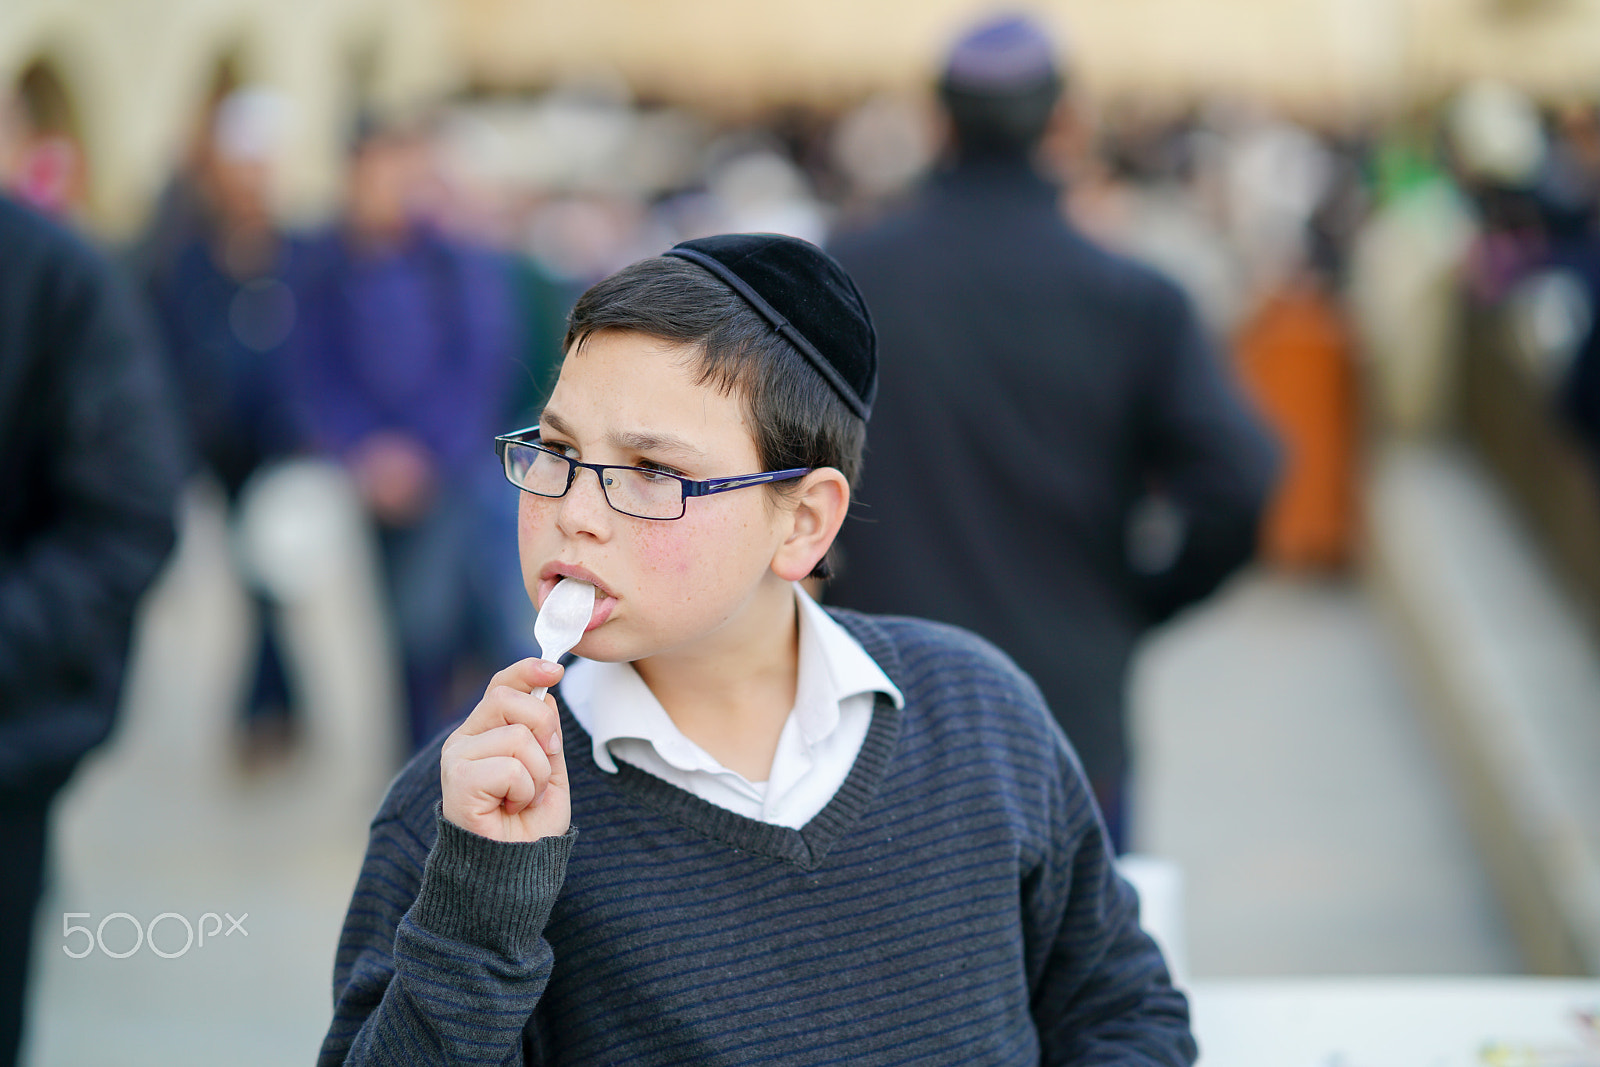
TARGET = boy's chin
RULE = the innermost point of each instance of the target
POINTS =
(595, 646)
(616, 647)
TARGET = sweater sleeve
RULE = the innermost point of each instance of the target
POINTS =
(443, 958)
(1102, 993)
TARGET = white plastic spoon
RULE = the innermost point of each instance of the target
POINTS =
(561, 621)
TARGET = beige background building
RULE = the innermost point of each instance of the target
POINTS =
(1307, 52)
(135, 75)
(130, 77)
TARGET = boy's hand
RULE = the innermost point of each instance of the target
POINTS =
(502, 771)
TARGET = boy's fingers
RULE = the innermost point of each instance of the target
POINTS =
(527, 675)
(515, 741)
(506, 757)
(504, 705)
(485, 786)
(558, 767)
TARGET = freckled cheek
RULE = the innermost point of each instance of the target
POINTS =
(535, 520)
(668, 548)
(534, 516)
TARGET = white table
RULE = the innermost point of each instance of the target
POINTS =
(1397, 1022)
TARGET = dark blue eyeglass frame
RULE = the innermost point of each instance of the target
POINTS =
(528, 437)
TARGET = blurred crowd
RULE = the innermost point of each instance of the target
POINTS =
(1329, 259)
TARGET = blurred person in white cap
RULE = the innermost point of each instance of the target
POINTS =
(1498, 151)
(226, 312)
(1039, 394)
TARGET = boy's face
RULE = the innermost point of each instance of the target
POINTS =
(698, 583)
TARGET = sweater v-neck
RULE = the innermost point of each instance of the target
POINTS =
(808, 846)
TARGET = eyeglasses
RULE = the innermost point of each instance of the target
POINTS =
(636, 491)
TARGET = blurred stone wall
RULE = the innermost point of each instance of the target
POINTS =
(136, 75)
(1307, 54)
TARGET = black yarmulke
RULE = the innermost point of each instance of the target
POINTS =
(808, 299)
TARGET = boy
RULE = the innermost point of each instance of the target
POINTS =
(740, 829)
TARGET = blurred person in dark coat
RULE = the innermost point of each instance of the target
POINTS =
(1057, 461)
(90, 466)
(406, 343)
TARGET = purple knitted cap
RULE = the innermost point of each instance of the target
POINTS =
(1006, 54)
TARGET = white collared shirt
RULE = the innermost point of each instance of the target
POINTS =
(820, 740)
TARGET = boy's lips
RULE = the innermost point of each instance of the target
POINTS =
(604, 599)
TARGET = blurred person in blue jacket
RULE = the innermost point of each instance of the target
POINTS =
(226, 311)
(90, 466)
(406, 343)
(1059, 460)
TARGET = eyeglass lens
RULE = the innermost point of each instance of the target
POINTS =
(628, 490)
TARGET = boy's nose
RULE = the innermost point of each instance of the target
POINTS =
(584, 508)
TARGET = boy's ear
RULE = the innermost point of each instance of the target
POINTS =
(818, 510)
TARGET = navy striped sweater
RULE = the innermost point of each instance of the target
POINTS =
(954, 903)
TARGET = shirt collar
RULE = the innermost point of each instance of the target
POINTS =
(612, 703)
